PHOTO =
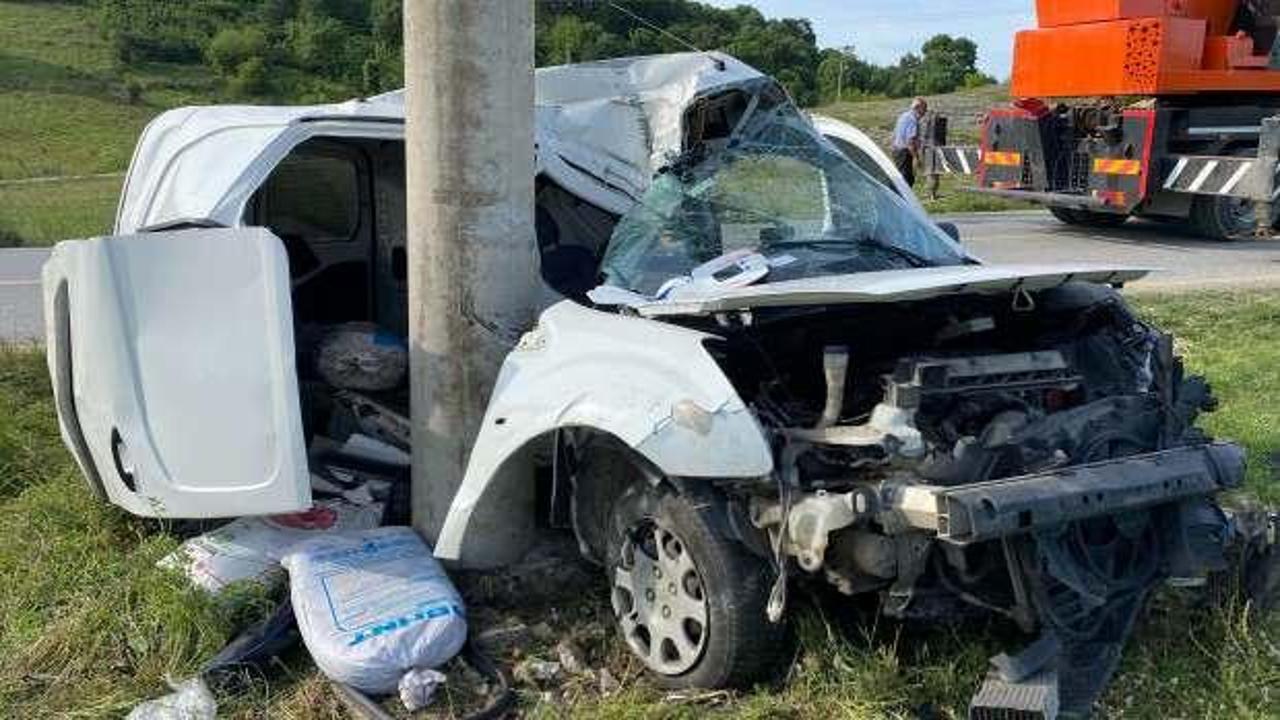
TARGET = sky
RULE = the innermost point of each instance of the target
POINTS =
(883, 34)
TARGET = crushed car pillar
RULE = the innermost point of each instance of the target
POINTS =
(470, 195)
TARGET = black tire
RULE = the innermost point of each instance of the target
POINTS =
(1088, 218)
(738, 646)
(1226, 218)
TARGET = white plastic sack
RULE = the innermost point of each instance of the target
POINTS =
(251, 548)
(373, 605)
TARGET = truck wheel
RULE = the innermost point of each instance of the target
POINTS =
(690, 604)
(1226, 218)
(1088, 218)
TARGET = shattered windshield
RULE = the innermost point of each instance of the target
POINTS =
(777, 202)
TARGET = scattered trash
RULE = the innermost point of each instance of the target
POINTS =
(372, 605)
(361, 356)
(253, 649)
(538, 672)
(500, 640)
(543, 631)
(710, 698)
(190, 700)
(608, 683)
(375, 419)
(570, 657)
(250, 548)
(418, 686)
(365, 447)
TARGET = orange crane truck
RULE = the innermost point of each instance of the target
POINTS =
(1155, 108)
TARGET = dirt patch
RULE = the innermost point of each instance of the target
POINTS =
(547, 625)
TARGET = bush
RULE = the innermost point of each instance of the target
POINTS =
(132, 91)
(232, 48)
(250, 78)
(315, 42)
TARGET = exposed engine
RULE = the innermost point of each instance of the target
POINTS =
(1032, 456)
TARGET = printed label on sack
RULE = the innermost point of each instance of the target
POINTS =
(366, 610)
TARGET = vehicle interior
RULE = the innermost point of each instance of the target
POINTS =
(338, 205)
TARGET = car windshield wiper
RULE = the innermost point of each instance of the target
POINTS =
(819, 244)
(912, 258)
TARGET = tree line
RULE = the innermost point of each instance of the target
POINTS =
(311, 50)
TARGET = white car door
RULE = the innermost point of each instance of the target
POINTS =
(172, 360)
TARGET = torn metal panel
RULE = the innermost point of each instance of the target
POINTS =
(650, 385)
(602, 130)
(1000, 508)
(890, 286)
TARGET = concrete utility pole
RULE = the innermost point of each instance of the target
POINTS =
(471, 252)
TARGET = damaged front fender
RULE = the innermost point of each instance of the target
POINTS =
(650, 385)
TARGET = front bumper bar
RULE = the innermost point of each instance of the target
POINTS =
(1000, 508)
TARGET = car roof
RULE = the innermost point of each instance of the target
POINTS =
(602, 127)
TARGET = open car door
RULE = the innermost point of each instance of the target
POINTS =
(172, 361)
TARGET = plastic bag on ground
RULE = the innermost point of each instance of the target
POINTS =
(418, 686)
(373, 605)
(251, 548)
(190, 700)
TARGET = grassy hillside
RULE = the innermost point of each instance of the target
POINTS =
(964, 108)
(67, 110)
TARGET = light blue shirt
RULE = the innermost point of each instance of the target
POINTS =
(906, 131)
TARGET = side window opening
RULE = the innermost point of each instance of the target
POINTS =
(572, 237)
(315, 194)
(318, 202)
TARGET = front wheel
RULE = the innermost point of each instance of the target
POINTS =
(689, 603)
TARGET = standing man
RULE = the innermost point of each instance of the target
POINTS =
(906, 140)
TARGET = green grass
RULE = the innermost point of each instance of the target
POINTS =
(952, 198)
(1235, 339)
(66, 110)
(63, 106)
(40, 214)
(88, 625)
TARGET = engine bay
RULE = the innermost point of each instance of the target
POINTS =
(1030, 455)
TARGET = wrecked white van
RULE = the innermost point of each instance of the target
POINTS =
(758, 360)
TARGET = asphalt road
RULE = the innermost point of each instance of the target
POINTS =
(1182, 260)
(20, 299)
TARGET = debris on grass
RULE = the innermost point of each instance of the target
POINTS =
(190, 700)
(418, 687)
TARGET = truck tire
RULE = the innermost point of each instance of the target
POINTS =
(1088, 218)
(1226, 218)
(689, 602)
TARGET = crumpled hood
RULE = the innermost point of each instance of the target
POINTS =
(890, 286)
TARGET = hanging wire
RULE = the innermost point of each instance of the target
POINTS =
(654, 26)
